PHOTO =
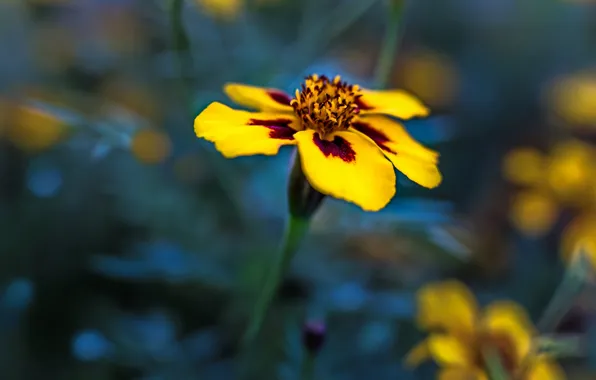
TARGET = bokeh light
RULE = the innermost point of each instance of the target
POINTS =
(431, 76)
(524, 166)
(533, 212)
(150, 146)
(221, 9)
(573, 98)
(34, 130)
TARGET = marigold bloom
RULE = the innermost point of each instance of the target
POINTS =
(461, 334)
(346, 146)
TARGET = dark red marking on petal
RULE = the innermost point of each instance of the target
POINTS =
(280, 97)
(339, 148)
(374, 134)
(361, 104)
(279, 128)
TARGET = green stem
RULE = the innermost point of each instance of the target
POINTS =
(308, 367)
(225, 179)
(565, 295)
(295, 230)
(495, 368)
(390, 44)
(181, 45)
(561, 346)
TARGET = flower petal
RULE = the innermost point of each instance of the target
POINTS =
(259, 98)
(448, 350)
(510, 319)
(398, 103)
(347, 166)
(410, 157)
(545, 370)
(448, 306)
(241, 133)
(417, 354)
(461, 373)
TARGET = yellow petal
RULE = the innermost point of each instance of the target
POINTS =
(259, 98)
(510, 319)
(398, 103)
(241, 133)
(545, 370)
(448, 350)
(461, 373)
(347, 166)
(417, 354)
(392, 137)
(410, 157)
(449, 306)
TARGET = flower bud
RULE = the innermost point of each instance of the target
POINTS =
(313, 336)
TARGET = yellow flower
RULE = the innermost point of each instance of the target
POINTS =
(574, 99)
(346, 146)
(578, 237)
(461, 334)
(562, 178)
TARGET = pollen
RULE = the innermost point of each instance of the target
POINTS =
(326, 105)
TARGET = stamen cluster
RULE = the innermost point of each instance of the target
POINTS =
(326, 105)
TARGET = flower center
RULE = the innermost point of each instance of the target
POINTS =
(326, 105)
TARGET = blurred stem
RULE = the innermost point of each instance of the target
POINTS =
(561, 346)
(307, 371)
(296, 228)
(181, 45)
(572, 284)
(390, 44)
(313, 39)
(495, 368)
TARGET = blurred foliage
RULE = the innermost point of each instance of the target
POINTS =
(132, 250)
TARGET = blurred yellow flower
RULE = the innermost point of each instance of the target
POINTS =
(150, 146)
(347, 147)
(580, 236)
(32, 129)
(574, 98)
(221, 9)
(571, 169)
(565, 177)
(524, 166)
(533, 212)
(462, 335)
(432, 76)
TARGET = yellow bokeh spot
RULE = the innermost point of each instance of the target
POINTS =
(133, 97)
(431, 76)
(533, 213)
(221, 9)
(524, 166)
(150, 146)
(34, 130)
(574, 99)
(571, 170)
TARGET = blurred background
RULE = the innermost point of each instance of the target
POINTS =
(130, 249)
